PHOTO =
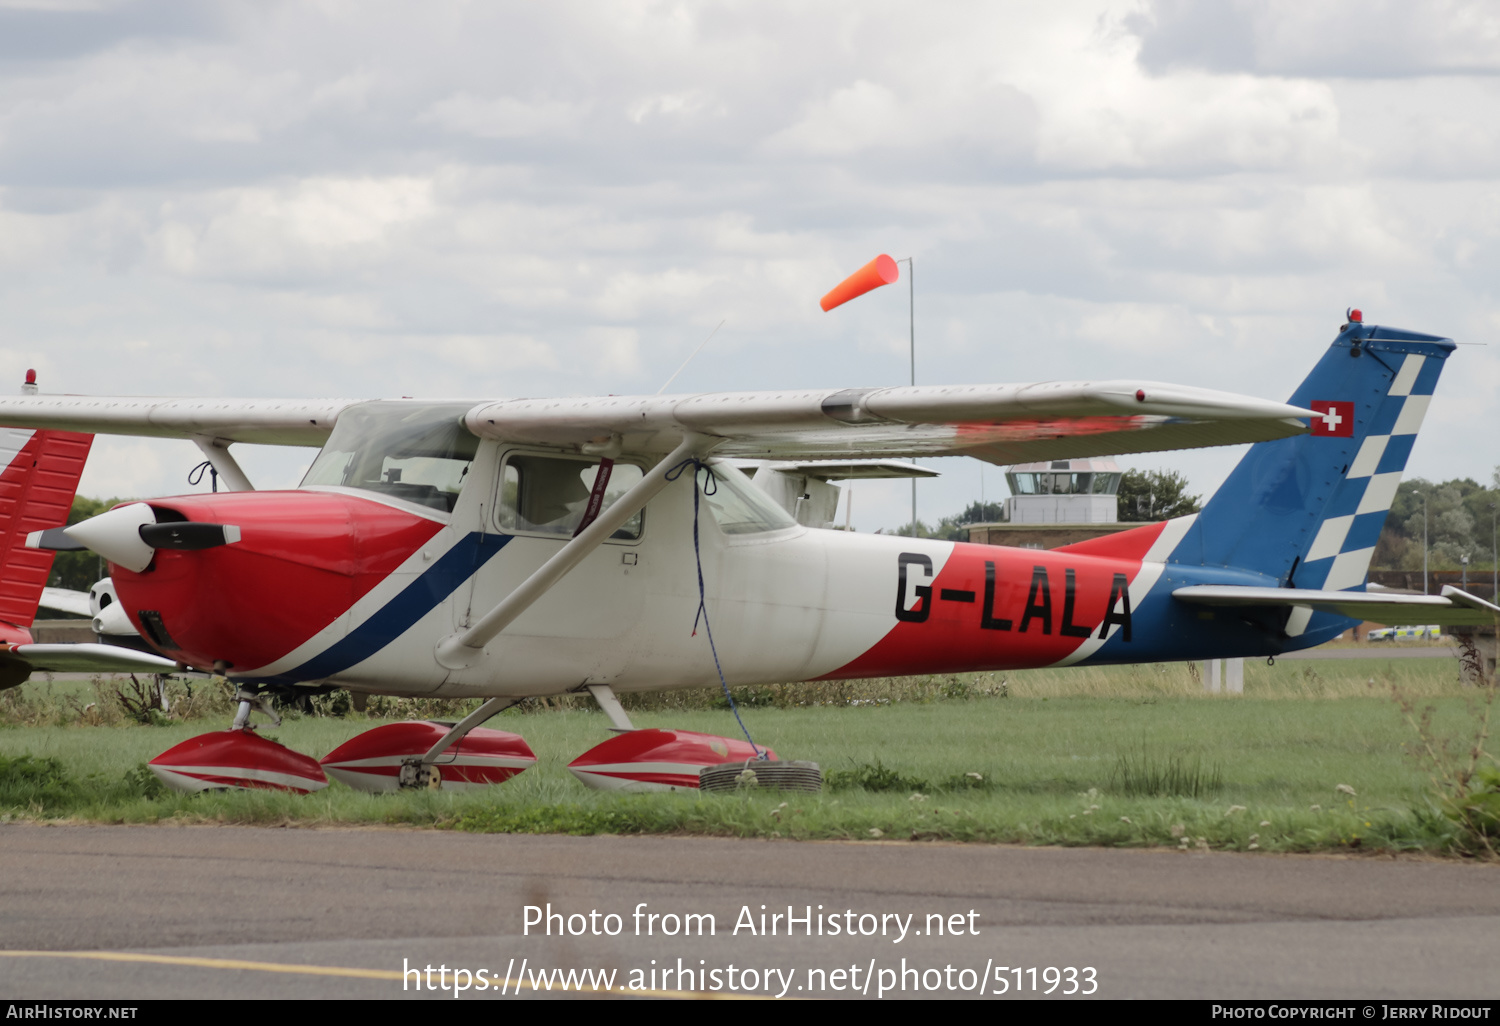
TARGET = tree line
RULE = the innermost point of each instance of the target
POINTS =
(1461, 519)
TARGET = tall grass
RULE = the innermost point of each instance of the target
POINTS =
(112, 701)
(1310, 757)
(1146, 773)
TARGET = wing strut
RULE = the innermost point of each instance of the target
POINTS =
(619, 719)
(216, 451)
(462, 650)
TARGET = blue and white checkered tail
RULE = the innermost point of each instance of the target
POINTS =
(1306, 512)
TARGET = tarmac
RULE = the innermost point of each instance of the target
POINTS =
(128, 913)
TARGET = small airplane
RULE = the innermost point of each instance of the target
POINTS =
(524, 547)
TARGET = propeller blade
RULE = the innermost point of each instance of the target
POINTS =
(189, 536)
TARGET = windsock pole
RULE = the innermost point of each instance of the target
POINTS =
(911, 310)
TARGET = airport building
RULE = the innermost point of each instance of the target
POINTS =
(1055, 503)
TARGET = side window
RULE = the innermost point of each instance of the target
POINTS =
(548, 494)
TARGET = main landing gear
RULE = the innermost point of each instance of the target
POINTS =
(436, 755)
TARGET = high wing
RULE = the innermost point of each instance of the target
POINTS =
(1453, 608)
(837, 470)
(1001, 424)
(262, 421)
(855, 470)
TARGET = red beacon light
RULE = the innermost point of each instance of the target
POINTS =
(29, 388)
(30, 377)
(1354, 316)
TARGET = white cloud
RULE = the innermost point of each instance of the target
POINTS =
(504, 117)
(1353, 38)
(465, 199)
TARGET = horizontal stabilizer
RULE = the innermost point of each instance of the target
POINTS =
(91, 659)
(65, 600)
(1453, 608)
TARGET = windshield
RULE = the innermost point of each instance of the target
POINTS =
(741, 508)
(414, 451)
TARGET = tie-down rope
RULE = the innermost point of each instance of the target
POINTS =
(710, 486)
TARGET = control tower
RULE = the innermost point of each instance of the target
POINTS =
(1064, 492)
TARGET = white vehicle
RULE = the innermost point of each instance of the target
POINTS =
(1429, 632)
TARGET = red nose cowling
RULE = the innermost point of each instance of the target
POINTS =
(302, 560)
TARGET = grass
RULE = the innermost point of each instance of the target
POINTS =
(1313, 757)
(1144, 773)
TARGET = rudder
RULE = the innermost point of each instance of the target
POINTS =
(1307, 511)
(39, 472)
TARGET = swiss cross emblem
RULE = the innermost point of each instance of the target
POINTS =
(1334, 420)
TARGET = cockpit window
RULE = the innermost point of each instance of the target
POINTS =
(413, 451)
(739, 507)
(549, 494)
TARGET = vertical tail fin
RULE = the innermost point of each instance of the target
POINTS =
(1307, 511)
(39, 472)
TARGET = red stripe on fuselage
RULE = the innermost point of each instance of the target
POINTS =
(1041, 606)
(303, 559)
(1132, 544)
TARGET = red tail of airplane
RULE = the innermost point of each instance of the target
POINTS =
(39, 477)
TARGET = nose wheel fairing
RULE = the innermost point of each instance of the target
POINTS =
(237, 760)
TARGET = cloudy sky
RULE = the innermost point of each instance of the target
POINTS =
(499, 199)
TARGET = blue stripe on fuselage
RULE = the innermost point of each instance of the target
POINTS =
(397, 616)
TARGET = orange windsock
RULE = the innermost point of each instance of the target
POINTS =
(880, 271)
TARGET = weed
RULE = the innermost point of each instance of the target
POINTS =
(1144, 773)
(1481, 806)
(27, 781)
(142, 783)
(878, 777)
(146, 703)
(874, 776)
(1463, 776)
(338, 703)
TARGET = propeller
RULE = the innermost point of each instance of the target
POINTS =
(129, 535)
